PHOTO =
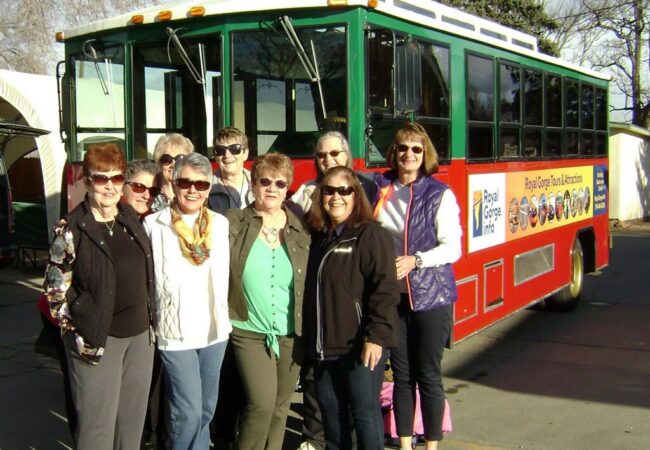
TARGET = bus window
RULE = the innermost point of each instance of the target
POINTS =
(98, 75)
(533, 95)
(480, 107)
(276, 101)
(429, 64)
(167, 97)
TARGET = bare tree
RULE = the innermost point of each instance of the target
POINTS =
(28, 27)
(611, 36)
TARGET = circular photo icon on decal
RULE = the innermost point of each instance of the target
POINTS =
(524, 211)
(587, 199)
(574, 203)
(543, 209)
(513, 215)
(567, 204)
(551, 207)
(533, 211)
(581, 201)
(559, 206)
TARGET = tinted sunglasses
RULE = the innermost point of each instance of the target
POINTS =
(102, 180)
(199, 185)
(139, 188)
(332, 153)
(280, 184)
(234, 149)
(343, 191)
(166, 159)
(415, 149)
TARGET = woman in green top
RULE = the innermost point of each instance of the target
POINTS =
(269, 247)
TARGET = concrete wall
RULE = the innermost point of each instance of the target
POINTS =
(629, 172)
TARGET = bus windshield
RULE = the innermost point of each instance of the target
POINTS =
(275, 98)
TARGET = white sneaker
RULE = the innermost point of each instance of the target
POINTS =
(306, 446)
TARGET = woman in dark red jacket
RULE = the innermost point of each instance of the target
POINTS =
(350, 308)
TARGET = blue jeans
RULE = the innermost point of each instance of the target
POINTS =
(344, 385)
(193, 387)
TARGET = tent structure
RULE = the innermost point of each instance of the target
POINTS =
(31, 100)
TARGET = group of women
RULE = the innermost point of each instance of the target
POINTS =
(349, 272)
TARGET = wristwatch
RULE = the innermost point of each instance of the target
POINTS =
(418, 261)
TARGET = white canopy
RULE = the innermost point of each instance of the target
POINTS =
(34, 97)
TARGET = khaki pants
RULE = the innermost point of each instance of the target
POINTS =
(269, 383)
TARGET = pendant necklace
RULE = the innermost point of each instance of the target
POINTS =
(270, 234)
(110, 228)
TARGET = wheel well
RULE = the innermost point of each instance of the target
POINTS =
(587, 239)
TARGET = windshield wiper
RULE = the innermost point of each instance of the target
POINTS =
(173, 37)
(311, 67)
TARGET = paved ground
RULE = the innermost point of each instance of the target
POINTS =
(534, 381)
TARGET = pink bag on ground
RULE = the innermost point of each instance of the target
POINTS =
(386, 400)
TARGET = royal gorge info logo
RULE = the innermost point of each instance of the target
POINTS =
(477, 214)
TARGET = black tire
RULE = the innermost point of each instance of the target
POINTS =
(567, 298)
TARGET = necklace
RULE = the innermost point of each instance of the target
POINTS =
(270, 234)
(110, 228)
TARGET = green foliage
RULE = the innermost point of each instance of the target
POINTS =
(527, 16)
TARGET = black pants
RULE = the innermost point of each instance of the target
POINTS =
(312, 425)
(417, 362)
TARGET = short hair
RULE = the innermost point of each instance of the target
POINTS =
(415, 132)
(172, 140)
(228, 133)
(197, 162)
(318, 219)
(275, 163)
(137, 166)
(104, 158)
(345, 146)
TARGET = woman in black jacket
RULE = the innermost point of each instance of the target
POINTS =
(99, 285)
(350, 306)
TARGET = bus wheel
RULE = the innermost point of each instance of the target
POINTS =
(567, 298)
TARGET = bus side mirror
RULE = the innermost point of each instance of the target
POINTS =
(408, 76)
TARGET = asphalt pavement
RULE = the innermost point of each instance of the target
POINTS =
(538, 380)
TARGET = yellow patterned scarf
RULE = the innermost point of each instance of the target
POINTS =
(195, 242)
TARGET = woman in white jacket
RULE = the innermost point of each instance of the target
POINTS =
(191, 261)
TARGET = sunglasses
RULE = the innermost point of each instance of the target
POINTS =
(234, 149)
(332, 153)
(415, 149)
(199, 185)
(343, 191)
(166, 159)
(280, 184)
(102, 180)
(139, 188)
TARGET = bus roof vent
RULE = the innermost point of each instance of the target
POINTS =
(523, 44)
(414, 8)
(458, 23)
(494, 34)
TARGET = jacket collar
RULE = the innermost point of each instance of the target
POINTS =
(292, 220)
(390, 176)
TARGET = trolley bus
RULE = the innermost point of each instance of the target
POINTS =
(522, 136)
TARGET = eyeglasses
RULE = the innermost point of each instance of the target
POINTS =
(280, 184)
(234, 149)
(343, 191)
(415, 149)
(102, 180)
(332, 153)
(199, 185)
(167, 159)
(139, 188)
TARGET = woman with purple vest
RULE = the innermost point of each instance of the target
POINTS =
(422, 215)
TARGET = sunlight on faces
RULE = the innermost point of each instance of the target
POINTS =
(269, 198)
(338, 207)
(168, 170)
(230, 164)
(408, 162)
(190, 200)
(140, 202)
(105, 196)
(326, 161)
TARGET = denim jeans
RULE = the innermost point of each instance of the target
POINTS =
(416, 362)
(193, 389)
(345, 385)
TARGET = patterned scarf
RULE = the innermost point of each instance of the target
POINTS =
(195, 242)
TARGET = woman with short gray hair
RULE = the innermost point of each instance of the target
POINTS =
(191, 263)
(168, 149)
